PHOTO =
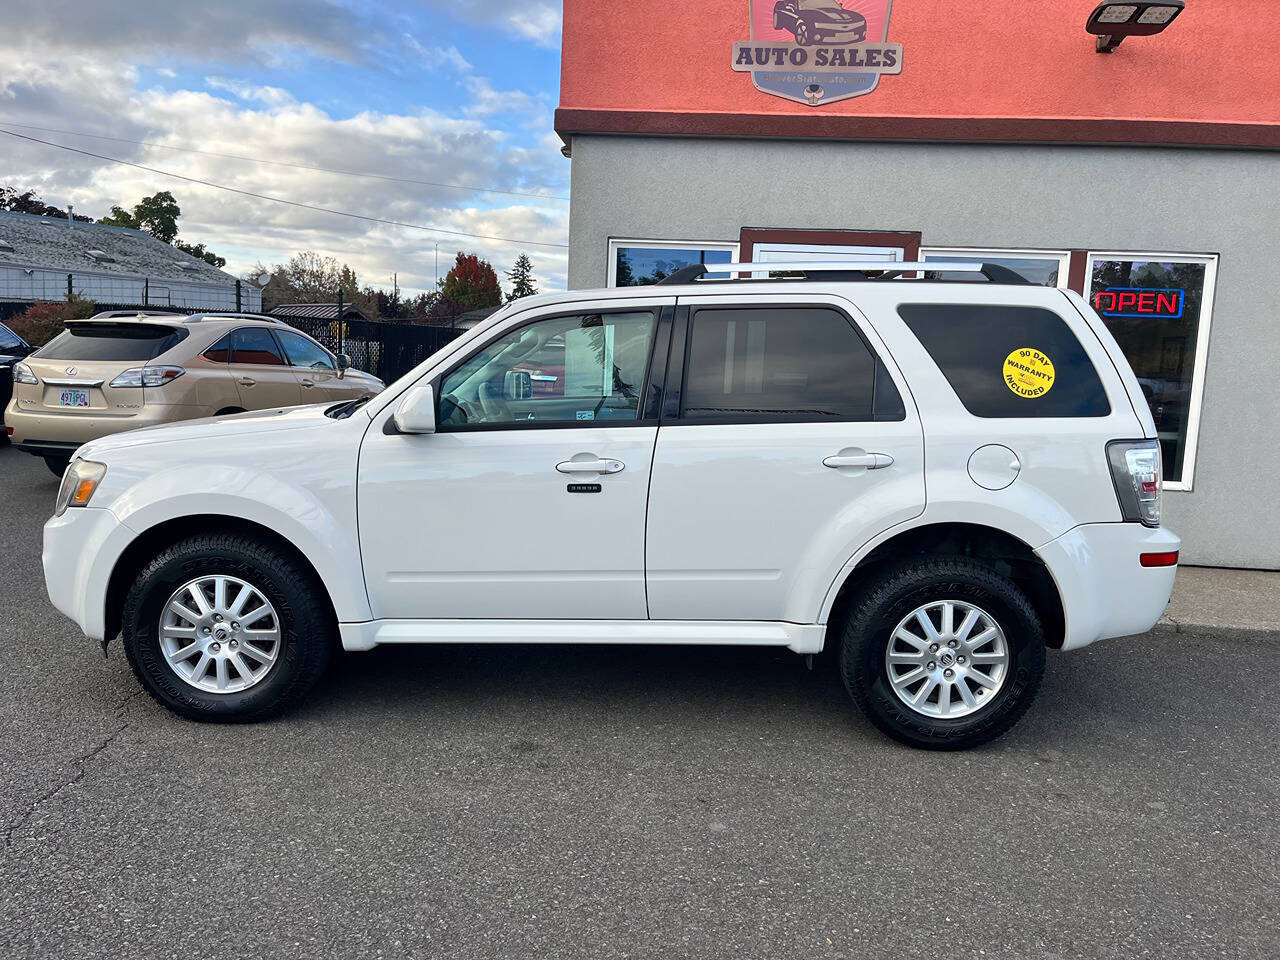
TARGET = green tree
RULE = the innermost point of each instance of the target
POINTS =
(198, 251)
(521, 277)
(473, 282)
(31, 202)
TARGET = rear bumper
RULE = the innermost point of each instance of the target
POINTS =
(61, 433)
(1105, 590)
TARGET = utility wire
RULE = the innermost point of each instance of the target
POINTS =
(285, 163)
(291, 203)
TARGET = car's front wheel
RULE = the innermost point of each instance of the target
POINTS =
(942, 653)
(804, 35)
(227, 627)
(57, 465)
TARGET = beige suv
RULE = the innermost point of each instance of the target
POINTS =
(116, 372)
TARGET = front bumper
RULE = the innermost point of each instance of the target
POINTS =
(1105, 590)
(81, 548)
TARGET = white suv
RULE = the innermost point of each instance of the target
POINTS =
(938, 480)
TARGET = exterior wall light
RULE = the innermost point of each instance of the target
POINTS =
(1112, 22)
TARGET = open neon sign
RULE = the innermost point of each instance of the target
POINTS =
(1140, 302)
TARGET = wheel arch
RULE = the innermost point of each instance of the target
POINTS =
(1010, 555)
(166, 533)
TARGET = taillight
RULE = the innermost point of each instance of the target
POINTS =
(1135, 471)
(22, 374)
(147, 376)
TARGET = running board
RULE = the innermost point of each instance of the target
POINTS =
(801, 638)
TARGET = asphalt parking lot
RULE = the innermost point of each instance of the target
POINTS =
(625, 802)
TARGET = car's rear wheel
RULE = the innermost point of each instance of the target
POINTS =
(942, 653)
(804, 35)
(57, 465)
(227, 628)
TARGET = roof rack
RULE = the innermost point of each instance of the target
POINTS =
(138, 312)
(845, 270)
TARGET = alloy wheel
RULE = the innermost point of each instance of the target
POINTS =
(220, 634)
(947, 659)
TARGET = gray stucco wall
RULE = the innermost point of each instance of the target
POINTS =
(1100, 198)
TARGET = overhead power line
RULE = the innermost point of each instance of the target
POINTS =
(286, 163)
(291, 203)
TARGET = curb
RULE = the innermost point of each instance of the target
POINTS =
(1168, 625)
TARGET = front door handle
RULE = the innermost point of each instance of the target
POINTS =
(590, 466)
(246, 381)
(872, 461)
(308, 383)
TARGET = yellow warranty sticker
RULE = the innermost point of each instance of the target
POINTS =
(1028, 372)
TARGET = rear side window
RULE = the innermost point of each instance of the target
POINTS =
(765, 364)
(9, 340)
(109, 341)
(1008, 361)
(255, 345)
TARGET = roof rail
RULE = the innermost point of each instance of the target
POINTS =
(846, 270)
(140, 312)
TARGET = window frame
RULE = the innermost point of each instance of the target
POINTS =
(654, 374)
(682, 344)
(1185, 483)
(615, 243)
(1025, 253)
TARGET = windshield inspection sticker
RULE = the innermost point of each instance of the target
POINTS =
(1028, 372)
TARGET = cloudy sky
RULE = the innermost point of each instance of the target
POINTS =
(452, 92)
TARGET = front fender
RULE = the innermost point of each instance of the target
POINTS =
(318, 520)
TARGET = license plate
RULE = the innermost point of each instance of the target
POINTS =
(74, 398)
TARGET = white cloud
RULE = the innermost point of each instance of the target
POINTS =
(536, 20)
(270, 96)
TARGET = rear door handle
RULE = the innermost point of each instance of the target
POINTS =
(590, 466)
(246, 381)
(872, 461)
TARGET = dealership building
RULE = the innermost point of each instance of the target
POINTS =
(1146, 178)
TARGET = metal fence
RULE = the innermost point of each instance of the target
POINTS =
(386, 349)
(34, 285)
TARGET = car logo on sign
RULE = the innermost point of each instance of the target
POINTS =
(818, 51)
(71, 371)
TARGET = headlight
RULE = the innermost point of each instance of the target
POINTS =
(22, 374)
(78, 484)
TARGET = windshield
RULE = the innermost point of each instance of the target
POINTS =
(821, 4)
(111, 341)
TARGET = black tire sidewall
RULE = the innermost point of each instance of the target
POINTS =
(304, 635)
(912, 585)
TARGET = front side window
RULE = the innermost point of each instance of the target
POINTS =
(767, 364)
(302, 352)
(255, 345)
(636, 265)
(9, 340)
(1158, 311)
(1009, 361)
(563, 370)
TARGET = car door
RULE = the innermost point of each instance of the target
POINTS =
(261, 374)
(313, 367)
(789, 442)
(522, 505)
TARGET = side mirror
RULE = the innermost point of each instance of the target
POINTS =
(344, 364)
(417, 411)
(517, 385)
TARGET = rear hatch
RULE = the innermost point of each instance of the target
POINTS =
(76, 368)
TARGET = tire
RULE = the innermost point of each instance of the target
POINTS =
(299, 612)
(884, 614)
(804, 33)
(57, 466)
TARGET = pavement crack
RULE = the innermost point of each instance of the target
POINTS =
(82, 767)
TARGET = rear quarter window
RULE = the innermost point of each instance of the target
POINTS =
(1009, 361)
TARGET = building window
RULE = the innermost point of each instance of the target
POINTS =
(1045, 267)
(1158, 307)
(638, 263)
